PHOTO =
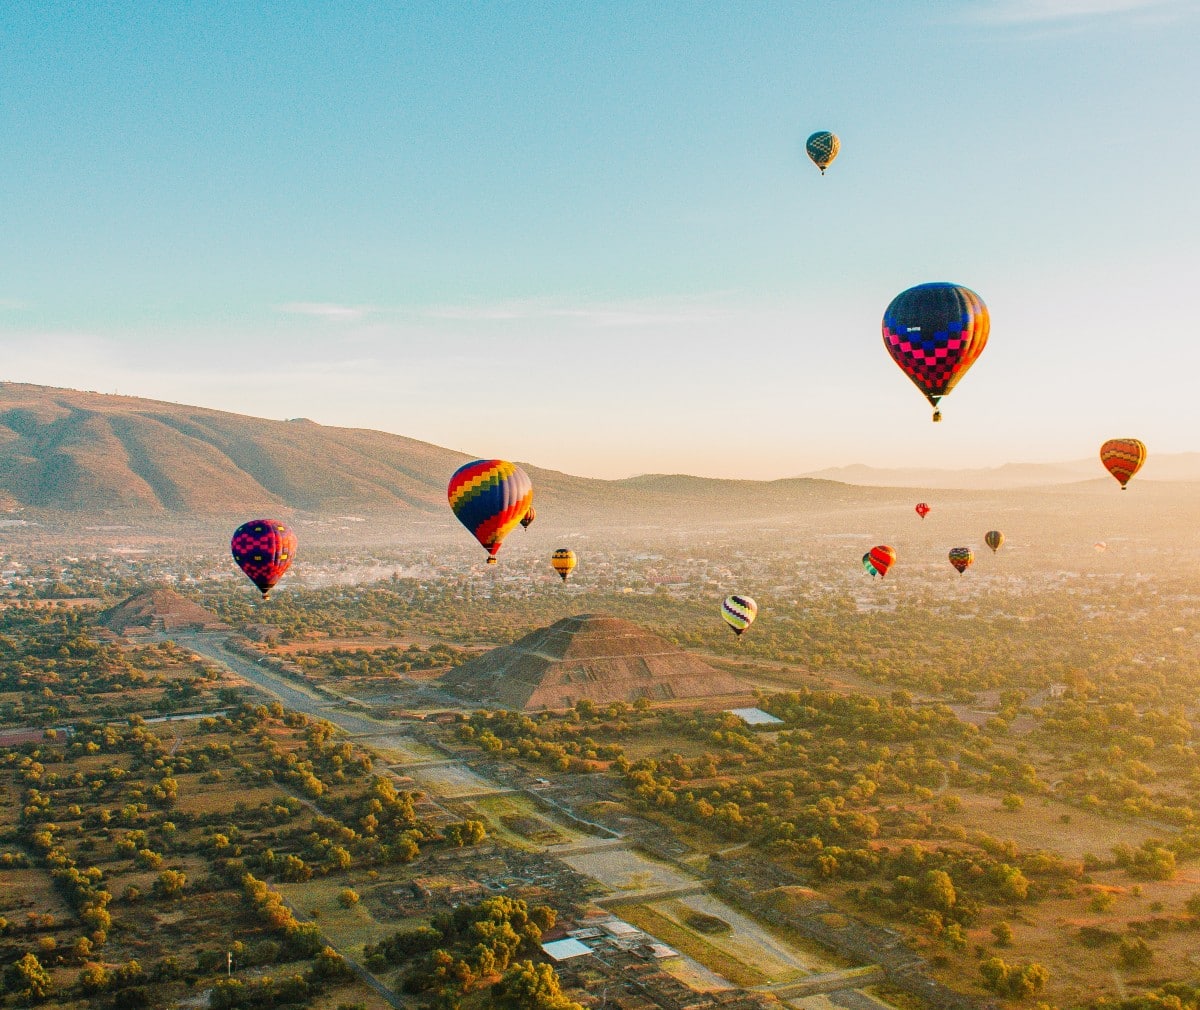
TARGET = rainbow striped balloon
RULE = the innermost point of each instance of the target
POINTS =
(490, 497)
(962, 558)
(739, 613)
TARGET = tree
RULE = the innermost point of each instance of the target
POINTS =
(937, 891)
(1135, 953)
(348, 897)
(995, 974)
(1028, 981)
(1003, 933)
(529, 986)
(94, 978)
(1013, 980)
(170, 884)
(29, 979)
(465, 833)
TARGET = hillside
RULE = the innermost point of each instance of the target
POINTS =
(91, 453)
(74, 454)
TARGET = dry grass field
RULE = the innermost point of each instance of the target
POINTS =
(515, 820)
(348, 929)
(1040, 824)
(397, 749)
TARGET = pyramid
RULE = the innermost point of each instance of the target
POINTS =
(159, 609)
(588, 657)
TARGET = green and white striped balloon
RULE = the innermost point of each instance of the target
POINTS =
(739, 612)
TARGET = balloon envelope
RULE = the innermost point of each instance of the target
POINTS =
(962, 558)
(935, 332)
(563, 562)
(528, 518)
(822, 148)
(1123, 457)
(490, 497)
(923, 509)
(739, 613)
(882, 557)
(264, 550)
(994, 538)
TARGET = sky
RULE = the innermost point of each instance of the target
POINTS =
(585, 235)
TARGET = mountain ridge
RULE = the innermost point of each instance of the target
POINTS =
(1181, 466)
(84, 453)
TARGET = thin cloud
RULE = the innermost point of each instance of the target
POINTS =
(13, 305)
(614, 315)
(1047, 11)
(325, 310)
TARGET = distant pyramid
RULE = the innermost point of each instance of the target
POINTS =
(592, 657)
(159, 609)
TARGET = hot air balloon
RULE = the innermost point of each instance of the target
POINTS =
(962, 558)
(528, 518)
(490, 497)
(822, 148)
(563, 562)
(867, 566)
(882, 558)
(923, 509)
(1100, 546)
(993, 538)
(1123, 457)
(934, 332)
(739, 613)
(264, 549)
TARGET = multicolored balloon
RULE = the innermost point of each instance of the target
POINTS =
(935, 332)
(739, 613)
(867, 566)
(962, 558)
(490, 497)
(882, 558)
(528, 518)
(264, 549)
(923, 509)
(563, 562)
(993, 538)
(1123, 457)
(822, 148)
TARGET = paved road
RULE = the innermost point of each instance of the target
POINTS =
(294, 696)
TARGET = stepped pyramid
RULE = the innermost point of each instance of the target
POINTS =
(593, 657)
(159, 609)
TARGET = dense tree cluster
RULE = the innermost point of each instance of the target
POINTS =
(473, 947)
